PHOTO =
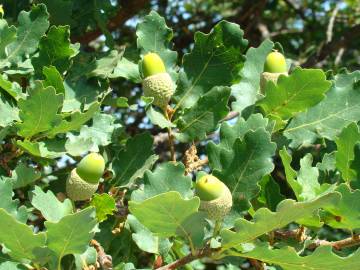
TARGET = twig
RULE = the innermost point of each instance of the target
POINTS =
(104, 259)
(257, 264)
(329, 31)
(168, 115)
(339, 56)
(298, 234)
(347, 242)
(231, 115)
(206, 252)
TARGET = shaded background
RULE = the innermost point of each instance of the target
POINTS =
(314, 33)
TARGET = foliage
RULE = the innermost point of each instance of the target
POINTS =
(289, 155)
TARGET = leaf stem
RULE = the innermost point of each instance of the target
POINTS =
(338, 245)
(205, 252)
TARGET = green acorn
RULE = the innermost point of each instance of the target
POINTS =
(157, 83)
(216, 198)
(83, 181)
(275, 65)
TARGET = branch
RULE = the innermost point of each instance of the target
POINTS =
(127, 10)
(231, 115)
(329, 31)
(346, 38)
(206, 252)
(348, 242)
(104, 260)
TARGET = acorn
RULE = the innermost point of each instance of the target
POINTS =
(275, 65)
(157, 82)
(83, 180)
(215, 196)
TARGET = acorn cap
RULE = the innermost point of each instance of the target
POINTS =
(268, 76)
(160, 87)
(217, 209)
(77, 189)
(152, 64)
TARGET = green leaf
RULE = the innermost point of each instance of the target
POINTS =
(18, 237)
(158, 118)
(221, 49)
(328, 163)
(321, 259)
(32, 26)
(60, 11)
(344, 155)
(38, 112)
(327, 119)
(78, 119)
(244, 165)
(104, 205)
(46, 149)
(126, 69)
(104, 66)
(12, 88)
(164, 214)
(23, 176)
(99, 134)
(72, 233)
(265, 221)
(166, 177)
(55, 50)
(8, 111)
(305, 182)
(270, 193)
(346, 213)
(7, 36)
(11, 266)
(50, 207)
(80, 91)
(10, 205)
(290, 173)
(53, 78)
(77, 146)
(247, 90)
(302, 89)
(145, 240)
(308, 179)
(153, 35)
(229, 133)
(193, 228)
(85, 259)
(132, 162)
(204, 116)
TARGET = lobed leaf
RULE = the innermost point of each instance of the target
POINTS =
(221, 49)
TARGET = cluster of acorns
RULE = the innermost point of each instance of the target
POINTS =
(216, 198)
